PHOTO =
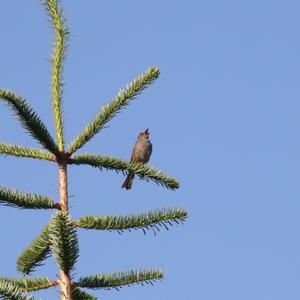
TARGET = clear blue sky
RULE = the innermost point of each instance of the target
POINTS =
(224, 120)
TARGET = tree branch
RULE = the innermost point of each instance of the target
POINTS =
(10, 291)
(18, 199)
(29, 120)
(20, 151)
(34, 255)
(118, 280)
(30, 284)
(57, 21)
(110, 110)
(63, 241)
(78, 294)
(153, 220)
(141, 170)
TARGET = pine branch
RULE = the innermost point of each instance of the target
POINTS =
(34, 255)
(141, 170)
(63, 240)
(108, 111)
(13, 198)
(30, 284)
(153, 220)
(78, 294)
(118, 280)
(57, 20)
(29, 120)
(10, 291)
(20, 151)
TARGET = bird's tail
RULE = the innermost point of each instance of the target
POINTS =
(128, 181)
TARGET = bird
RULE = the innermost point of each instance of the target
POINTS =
(141, 153)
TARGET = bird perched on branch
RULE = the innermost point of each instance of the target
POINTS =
(141, 153)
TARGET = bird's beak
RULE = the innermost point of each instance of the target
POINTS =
(147, 132)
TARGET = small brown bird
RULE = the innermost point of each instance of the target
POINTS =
(141, 153)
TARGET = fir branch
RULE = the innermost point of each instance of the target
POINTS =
(10, 291)
(153, 220)
(57, 20)
(63, 240)
(141, 170)
(118, 280)
(78, 294)
(29, 120)
(34, 255)
(108, 111)
(30, 284)
(20, 151)
(14, 198)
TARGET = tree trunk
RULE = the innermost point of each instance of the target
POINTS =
(65, 281)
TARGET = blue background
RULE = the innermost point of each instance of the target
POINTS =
(224, 120)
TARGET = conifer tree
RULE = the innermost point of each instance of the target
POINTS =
(59, 237)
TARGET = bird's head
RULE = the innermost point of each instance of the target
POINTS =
(144, 135)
